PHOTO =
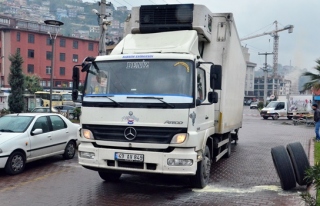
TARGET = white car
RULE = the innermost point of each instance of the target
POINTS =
(26, 137)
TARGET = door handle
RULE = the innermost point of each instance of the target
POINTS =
(207, 117)
(49, 136)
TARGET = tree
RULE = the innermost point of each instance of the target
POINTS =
(314, 82)
(32, 83)
(16, 82)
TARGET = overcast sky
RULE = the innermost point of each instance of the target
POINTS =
(300, 48)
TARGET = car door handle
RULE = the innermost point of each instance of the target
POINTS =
(49, 136)
(207, 117)
(67, 132)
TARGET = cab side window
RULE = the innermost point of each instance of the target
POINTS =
(201, 84)
(57, 123)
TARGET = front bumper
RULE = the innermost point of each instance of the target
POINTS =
(3, 161)
(154, 162)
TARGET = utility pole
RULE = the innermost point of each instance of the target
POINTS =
(102, 39)
(265, 72)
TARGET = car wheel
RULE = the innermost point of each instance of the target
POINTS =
(283, 166)
(289, 118)
(299, 161)
(110, 177)
(265, 117)
(70, 150)
(201, 178)
(16, 163)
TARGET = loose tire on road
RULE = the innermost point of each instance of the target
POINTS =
(70, 150)
(15, 163)
(201, 179)
(110, 177)
(299, 161)
(283, 165)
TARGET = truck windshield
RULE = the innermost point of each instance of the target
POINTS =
(141, 77)
(272, 105)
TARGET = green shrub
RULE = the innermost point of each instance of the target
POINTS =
(260, 105)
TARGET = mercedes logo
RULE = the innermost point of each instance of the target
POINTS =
(130, 133)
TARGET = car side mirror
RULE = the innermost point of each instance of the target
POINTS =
(37, 131)
(198, 102)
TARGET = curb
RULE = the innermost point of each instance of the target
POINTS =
(311, 189)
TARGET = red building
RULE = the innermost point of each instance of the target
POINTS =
(33, 41)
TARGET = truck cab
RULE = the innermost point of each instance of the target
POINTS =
(274, 109)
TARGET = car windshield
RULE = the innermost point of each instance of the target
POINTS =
(14, 123)
(141, 77)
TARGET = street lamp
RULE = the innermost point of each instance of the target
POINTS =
(53, 36)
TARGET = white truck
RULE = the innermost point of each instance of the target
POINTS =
(168, 99)
(288, 106)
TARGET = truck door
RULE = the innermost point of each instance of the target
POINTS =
(205, 116)
(281, 109)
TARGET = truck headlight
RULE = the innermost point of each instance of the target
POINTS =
(179, 138)
(87, 134)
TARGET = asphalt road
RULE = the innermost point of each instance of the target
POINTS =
(246, 178)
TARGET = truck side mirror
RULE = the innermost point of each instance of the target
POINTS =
(75, 83)
(213, 97)
(215, 77)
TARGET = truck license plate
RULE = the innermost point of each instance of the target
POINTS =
(128, 157)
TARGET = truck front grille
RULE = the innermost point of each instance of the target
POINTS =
(158, 135)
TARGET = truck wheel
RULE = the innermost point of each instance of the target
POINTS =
(289, 118)
(283, 166)
(275, 117)
(201, 178)
(299, 161)
(110, 177)
(265, 117)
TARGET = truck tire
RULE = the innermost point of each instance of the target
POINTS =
(275, 116)
(110, 177)
(265, 117)
(289, 117)
(299, 161)
(283, 166)
(202, 176)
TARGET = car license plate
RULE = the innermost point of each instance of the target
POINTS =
(128, 157)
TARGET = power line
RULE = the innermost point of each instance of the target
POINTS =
(127, 2)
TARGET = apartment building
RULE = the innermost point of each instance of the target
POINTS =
(34, 43)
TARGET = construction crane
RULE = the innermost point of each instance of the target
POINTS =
(275, 36)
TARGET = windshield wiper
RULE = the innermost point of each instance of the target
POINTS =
(6, 130)
(158, 98)
(117, 103)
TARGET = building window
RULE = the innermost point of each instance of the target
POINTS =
(30, 38)
(49, 41)
(90, 46)
(30, 53)
(75, 44)
(62, 57)
(18, 36)
(49, 55)
(18, 50)
(48, 83)
(62, 71)
(57, 83)
(75, 57)
(30, 68)
(48, 69)
(43, 83)
(62, 43)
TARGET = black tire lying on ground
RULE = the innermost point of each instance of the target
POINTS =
(283, 165)
(299, 161)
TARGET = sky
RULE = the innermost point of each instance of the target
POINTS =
(301, 48)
